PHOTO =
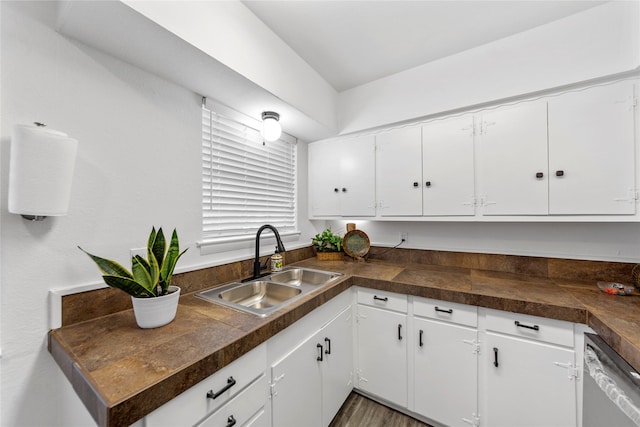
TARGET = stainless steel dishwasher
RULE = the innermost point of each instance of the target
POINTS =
(611, 387)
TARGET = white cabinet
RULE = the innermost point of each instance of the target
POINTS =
(445, 373)
(591, 151)
(426, 171)
(311, 382)
(448, 167)
(342, 177)
(529, 372)
(399, 172)
(512, 160)
(382, 345)
(230, 384)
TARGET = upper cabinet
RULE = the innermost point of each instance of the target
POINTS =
(399, 172)
(591, 152)
(342, 177)
(570, 156)
(448, 167)
(512, 172)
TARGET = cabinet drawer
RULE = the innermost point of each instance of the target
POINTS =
(461, 314)
(193, 405)
(382, 299)
(243, 410)
(533, 327)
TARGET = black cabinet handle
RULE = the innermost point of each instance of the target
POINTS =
(428, 183)
(231, 421)
(399, 331)
(376, 297)
(415, 184)
(320, 352)
(420, 343)
(336, 190)
(495, 356)
(539, 175)
(344, 190)
(559, 173)
(328, 350)
(449, 311)
(230, 383)
(534, 327)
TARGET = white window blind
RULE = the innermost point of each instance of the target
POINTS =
(245, 183)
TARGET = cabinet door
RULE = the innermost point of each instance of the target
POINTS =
(382, 354)
(531, 386)
(337, 379)
(591, 145)
(356, 157)
(297, 389)
(446, 372)
(399, 172)
(513, 160)
(448, 167)
(324, 179)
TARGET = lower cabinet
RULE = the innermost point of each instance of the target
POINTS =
(238, 390)
(445, 371)
(529, 372)
(242, 410)
(382, 345)
(310, 383)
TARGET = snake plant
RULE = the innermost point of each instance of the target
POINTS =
(149, 277)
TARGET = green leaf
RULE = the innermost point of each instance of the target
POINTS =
(154, 268)
(109, 267)
(141, 274)
(158, 245)
(173, 254)
(128, 285)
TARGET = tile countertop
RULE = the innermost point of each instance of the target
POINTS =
(122, 372)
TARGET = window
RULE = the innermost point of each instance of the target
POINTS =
(245, 183)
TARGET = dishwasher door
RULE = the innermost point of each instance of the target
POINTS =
(611, 387)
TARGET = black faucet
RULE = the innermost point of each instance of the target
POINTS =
(256, 263)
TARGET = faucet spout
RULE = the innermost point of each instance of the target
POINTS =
(256, 262)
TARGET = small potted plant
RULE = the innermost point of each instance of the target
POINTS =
(154, 299)
(328, 246)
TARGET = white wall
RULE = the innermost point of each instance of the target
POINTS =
(600, 41)
(138, 165)
(592, 241)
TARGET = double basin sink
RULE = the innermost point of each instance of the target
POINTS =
(267, 294)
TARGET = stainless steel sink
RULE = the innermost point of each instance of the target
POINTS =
(259, 294)
(296, 276)
(267, 294)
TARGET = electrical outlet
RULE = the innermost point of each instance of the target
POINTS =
(404, 236)
(138, 251)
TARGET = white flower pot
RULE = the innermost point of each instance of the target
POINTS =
(158, 311)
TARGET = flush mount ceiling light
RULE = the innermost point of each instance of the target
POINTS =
(271, 129)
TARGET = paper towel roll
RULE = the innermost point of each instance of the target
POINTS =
(40, 171)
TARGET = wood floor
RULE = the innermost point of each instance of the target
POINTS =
(358, 411)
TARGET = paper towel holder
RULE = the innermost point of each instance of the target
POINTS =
(40, 171)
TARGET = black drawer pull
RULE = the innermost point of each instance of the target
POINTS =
(534, 327)
(415, 184)
(539, 175)
(231, 421)
(450, 311)
(320, 353)
(420, 339)
(230, 383)
(376, 297)
(399, 331)
(495, 356)
(328, 350)
(335, 190)
(427, 184)
(559, 173)
(344, 190)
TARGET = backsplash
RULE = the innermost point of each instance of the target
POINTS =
(101, 302)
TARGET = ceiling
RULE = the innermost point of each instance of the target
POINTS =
(350, 43)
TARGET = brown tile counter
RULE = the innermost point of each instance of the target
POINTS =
(122, 372)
